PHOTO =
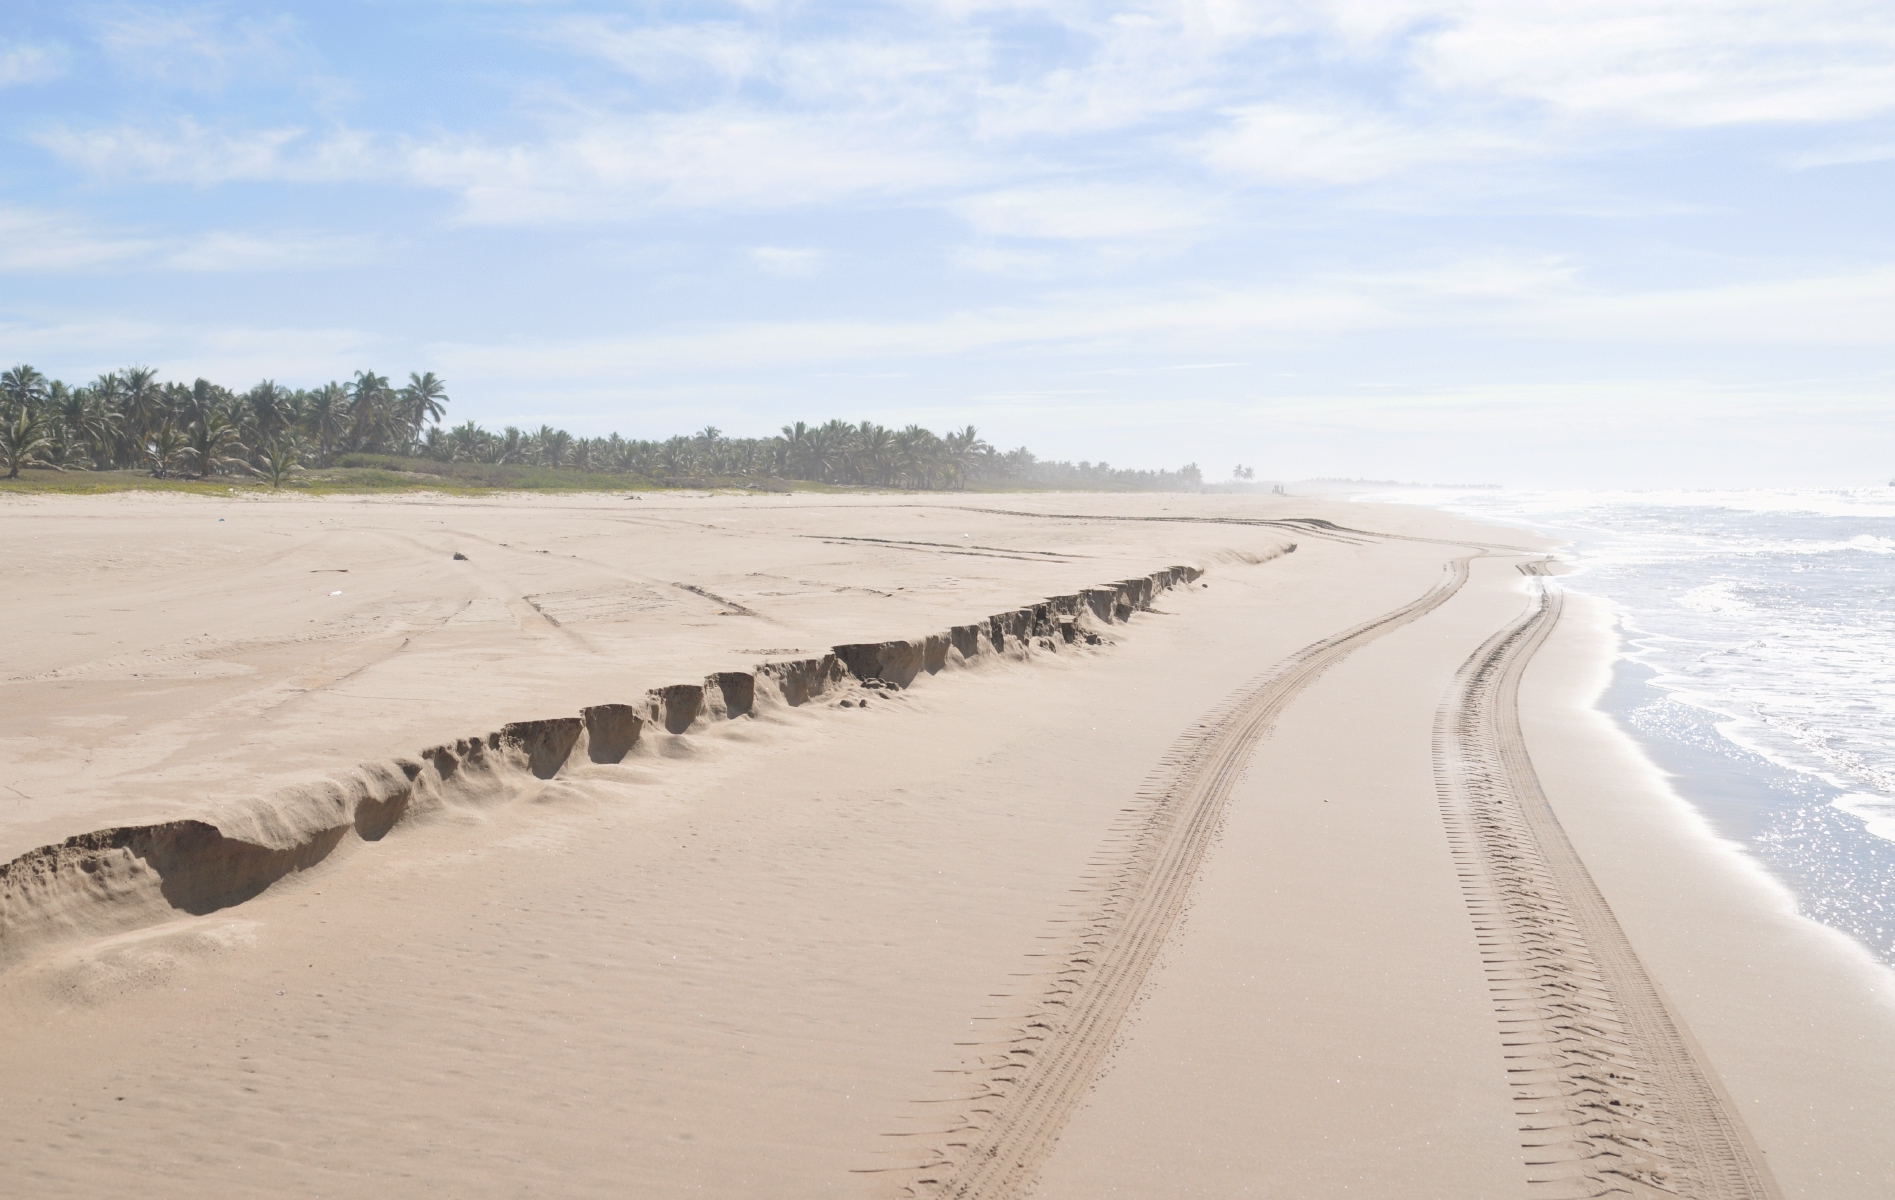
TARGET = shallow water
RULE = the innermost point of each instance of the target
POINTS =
(1758, 635)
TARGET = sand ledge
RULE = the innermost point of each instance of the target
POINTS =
(110, 881)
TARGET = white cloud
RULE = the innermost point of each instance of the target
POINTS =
(934, 86)
(1064, 323)
(1134, 67)
(194, 47)
(188, 152)
(22, 64)
(1644, 63)
(1198, 323)
(584, 167)
(228, 251)
(1542, 299)
(928, 75)
(725, 50)
(1008, 261)
(43, 242)
(1085, 211)
(1631, 63)
(1288, 145)
(609, 167)
(913, 70)
(1842, 154)
(790, 262)
(39, 242)
(1841, 309)
(81, 349)
(1669, 63)
(925, 104)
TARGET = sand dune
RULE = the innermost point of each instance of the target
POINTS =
(873, 846)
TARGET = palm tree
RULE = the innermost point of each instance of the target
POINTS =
(466, 441)
(295, 412)
(208, 443)
(917, 455)
(22, 388)
(743, 457)
(91, 423)
(512, 446)
(278, 455)
(555, 446)
(141, 408)
(23, 437)
(163, 448)
(328, 418)
(817, 454)
(625, 455)
(794, 451)
(370, 404)
(877, 452)
(678, 455)
(831, 447)
(265, 406)
(965, 450)
(424, 400)
(108, 391)
(987, 462)
(200, 400)
(65, 450)
(177, 404)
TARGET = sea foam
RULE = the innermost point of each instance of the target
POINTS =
(1762, 628)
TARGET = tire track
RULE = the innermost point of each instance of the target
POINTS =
(1615, 1100)
(1012, 1123)
(1308, 526)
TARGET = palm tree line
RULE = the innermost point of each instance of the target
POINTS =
(128, 420)
(835, 452)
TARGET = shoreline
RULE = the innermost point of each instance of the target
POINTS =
(1765, 809)
(1785, 814)
(1772, 995)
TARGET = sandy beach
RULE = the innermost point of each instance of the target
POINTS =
(873, 845)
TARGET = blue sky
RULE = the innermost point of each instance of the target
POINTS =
(1619, 242)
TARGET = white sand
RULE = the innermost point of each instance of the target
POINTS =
(788, 954)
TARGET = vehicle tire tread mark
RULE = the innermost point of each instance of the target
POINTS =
(1025, 1095)
(1614, 1099)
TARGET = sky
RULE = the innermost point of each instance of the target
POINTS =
(1595, 243)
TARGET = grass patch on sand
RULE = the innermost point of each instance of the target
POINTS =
(374, 474)
(369, 474)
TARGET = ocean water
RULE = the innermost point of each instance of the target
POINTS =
(1758, 666)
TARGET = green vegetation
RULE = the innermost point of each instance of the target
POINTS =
(127, 429)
